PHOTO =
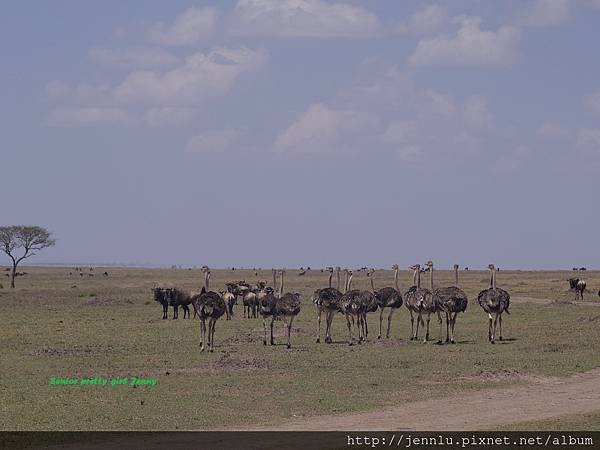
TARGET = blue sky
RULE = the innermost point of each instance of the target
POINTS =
(304, 132)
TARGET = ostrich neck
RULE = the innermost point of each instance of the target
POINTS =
(491, 278)
(281, 286)
(349, 282)
(396, 279)
(418, 271)
(372, 283)
(456, 276)
(494, 279)
(330, 277)
(338, 280)
(207, 281)
(414, 278)
(274, 280)
(431, 277)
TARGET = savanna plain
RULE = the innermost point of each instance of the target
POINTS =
(60, 325)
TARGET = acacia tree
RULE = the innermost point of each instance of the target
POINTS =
(29, 238)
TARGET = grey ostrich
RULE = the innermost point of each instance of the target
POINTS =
(494, 301)
(450, 300)
(326, 300)
(208, 305)
(429, 304)
(355, 303)
(387, 297)
(284, 305)
(412, 300)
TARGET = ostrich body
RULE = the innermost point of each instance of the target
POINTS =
(387, 297)
(208, 305)
(450, 300)
(494, 301)
(326, 300)
(413, 301)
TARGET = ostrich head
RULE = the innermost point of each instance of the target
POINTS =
(395, 267)
(491, 266)
(330, 269)
(455, 266)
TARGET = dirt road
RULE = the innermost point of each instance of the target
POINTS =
(486, 409)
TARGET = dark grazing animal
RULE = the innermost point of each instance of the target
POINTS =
(494, 301)
(178, 298)
(161, 296)
(577, 285)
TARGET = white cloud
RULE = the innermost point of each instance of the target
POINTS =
(552, 131)
(168, 116)
(476, 114)
(137, 58)
(322, 130)
(547, 12)
(410, 153)
(589, 138)
(56, 88)
(302, 18)
(213, 141)
(85, 117)
(201, 75)
(470, 46)
(427, 21)
(431, 102)
(188, 28)
(592, 102)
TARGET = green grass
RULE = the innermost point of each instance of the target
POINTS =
(66, 326)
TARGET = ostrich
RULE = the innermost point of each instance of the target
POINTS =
(451, 300)
(412, 299)
(429, 304)
(326, 300)
(387, 297)
(494, 301)
(283, 305)
(356, 303)
(208, 305)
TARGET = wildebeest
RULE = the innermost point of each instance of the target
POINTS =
(178, 298)
(578, 286)
(161, 296)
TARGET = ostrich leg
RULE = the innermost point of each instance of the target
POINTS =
(380, 320)
(349, 329)
(412, 325)
(387, 334)
(490, 328)
(272, 321)
(328, 320)
(202, 334)
(319, 326)
(500, 325)
(265, 328)
(289, 327)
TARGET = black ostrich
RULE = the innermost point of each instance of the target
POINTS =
(451, 300)
(387, 297)
(494, 301)
(326, 300)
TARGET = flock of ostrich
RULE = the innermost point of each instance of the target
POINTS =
(272, 304)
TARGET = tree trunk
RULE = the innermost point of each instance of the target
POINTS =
(12, 276)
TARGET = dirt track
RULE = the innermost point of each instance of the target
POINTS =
(485, 409)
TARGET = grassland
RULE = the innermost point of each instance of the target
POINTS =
(66, 326)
